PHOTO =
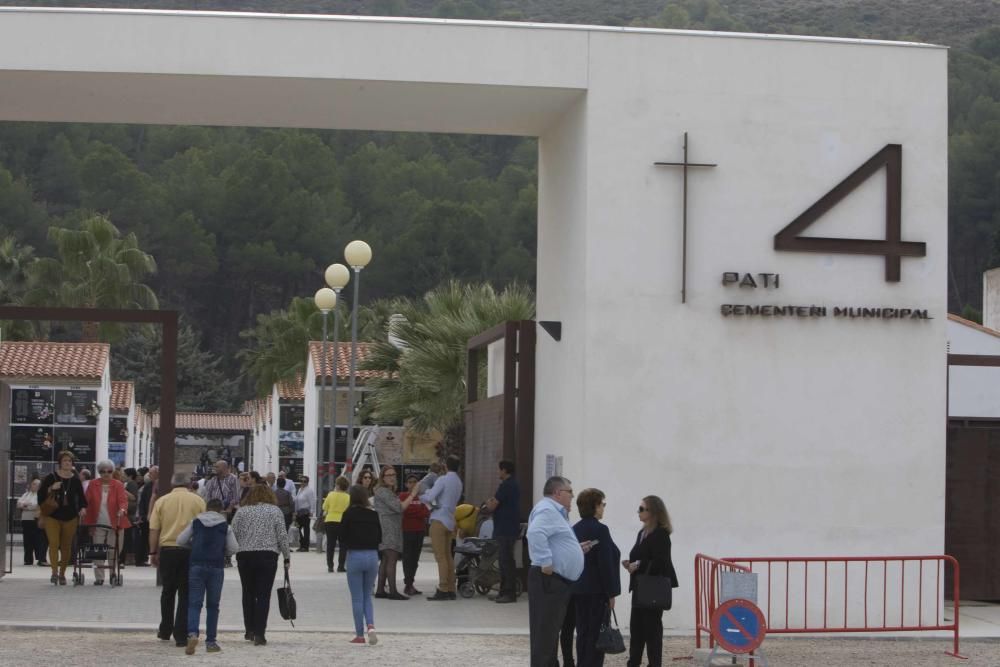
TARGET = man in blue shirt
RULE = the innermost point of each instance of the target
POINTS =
(556, 562)
(445, 494)
(506, 508)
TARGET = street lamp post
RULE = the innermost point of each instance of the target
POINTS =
(326, 300)
(337, 276)
(358, 254)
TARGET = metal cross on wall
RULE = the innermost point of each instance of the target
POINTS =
(685, 165)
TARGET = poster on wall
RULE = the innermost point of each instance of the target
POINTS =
(116, 453)
(82, 442)
(25, 472)
(291, 417)
(77, 407)
(31, 406)
(290, 444)
(32, 443)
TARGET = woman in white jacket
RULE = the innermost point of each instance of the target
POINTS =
(35, 543)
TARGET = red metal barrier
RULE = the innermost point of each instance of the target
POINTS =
(707, 577)
(858, 593)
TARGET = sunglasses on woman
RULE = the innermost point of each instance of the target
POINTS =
(105, 472)
(642, 509)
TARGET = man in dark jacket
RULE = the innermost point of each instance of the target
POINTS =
(506, 508)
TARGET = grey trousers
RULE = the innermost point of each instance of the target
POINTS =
(548, 597)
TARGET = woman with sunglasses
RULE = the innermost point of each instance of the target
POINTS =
(107, 517)
(65, 487)
(390, 514)
(367, 480)
(650, 555)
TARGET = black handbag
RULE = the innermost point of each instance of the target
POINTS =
(609, 637)
(653, 592)
(286, 600)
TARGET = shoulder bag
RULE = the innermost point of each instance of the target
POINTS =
(652, 591)
(50, 504)
(286, 600)
(609, 637)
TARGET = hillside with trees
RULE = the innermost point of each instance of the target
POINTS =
(239, 222)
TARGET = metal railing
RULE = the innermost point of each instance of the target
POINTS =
(848, 593)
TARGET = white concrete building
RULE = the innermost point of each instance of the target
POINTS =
(801, 413)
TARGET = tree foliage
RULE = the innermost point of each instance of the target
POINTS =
(424, 382)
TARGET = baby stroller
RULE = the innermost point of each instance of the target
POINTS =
(478, 568)
(87, 552)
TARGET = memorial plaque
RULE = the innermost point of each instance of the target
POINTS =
(82, 442)
(77, 407)
(118, 429)
(389, 446)
(292, 467)
(32, 443)
(291, 417)
(31, 406)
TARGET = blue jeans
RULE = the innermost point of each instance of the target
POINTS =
(204, 581)
(362, 568)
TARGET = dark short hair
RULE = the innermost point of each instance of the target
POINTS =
(343, 483)
(506, 466)
(130, 472)
(63, 454)
(554, 483)
(359, 496)
(280, 483)
(304, 479)
(452, 463)
(588, 501)
(213, 505)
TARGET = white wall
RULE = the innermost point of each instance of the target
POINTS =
(973, 391)
(763, 436)
(780, 436)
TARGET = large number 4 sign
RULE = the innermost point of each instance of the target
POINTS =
(893, 248)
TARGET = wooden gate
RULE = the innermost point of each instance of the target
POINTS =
(501, 426)
(972, 506)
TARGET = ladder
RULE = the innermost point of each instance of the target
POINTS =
(364, 453)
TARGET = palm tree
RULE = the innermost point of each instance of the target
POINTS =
(97, 267)
(14, 262)
(279, 342)
(425, 381)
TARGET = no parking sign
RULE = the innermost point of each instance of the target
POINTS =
(738, 626)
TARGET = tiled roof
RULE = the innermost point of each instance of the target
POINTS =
(343, 360)
(121, 395)
(53, 360)
(209, 421)
(292, 390)
(973, 325)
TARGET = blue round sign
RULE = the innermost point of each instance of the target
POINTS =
(738, 626)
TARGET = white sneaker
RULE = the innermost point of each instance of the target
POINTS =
(372, 637)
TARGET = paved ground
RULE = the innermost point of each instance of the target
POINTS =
(108, 649)
(104, 626)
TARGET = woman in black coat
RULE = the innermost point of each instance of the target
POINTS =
(650, 555)
(596, 589)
